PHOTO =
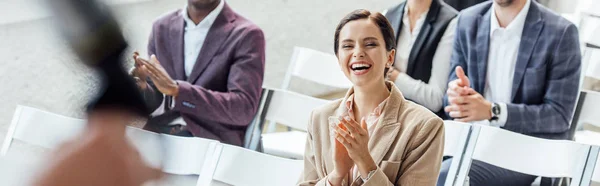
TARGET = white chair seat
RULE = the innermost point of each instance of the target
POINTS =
(285, 144)
(242, 167)
(587, 137)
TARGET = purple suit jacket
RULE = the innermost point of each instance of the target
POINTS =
(222, 94)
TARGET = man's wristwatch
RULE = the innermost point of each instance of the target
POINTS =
(495, 111)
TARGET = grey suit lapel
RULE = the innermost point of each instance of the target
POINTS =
(481, 50)
(176, 39)
(531, 32)
(395, 17)
(423, 36)
(215, 38)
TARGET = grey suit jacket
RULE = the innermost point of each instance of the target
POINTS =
(222, 94)
(546, 78)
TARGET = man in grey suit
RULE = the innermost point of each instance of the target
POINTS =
(516, 66)
(206, 66)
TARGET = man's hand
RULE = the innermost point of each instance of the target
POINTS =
(164, 83)
(460, 86)
(469, 108)
(138, 72)
(466, 104)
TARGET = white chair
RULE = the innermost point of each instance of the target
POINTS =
(242, 167)
(293, 110)
(314, 66)
(455, 142)
(586, 111)
(596, 173)
(174, 154)
(40, 128)
(16, 171)
(180, 156)
(529, 155)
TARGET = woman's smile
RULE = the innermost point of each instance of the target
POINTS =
(360, 67)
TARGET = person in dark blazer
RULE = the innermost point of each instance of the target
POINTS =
(463, 4)
(424, 32)
(206, 67)
(517, 66)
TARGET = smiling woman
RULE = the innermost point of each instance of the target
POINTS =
(372, 136)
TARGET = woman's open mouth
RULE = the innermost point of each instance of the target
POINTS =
(360, 68)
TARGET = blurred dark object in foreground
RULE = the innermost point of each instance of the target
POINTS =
(96, 38)
(101, 155)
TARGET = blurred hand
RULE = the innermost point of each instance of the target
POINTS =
(164, 83)
(100, 156)
(356, 140)
(342, 162)
(393, 74)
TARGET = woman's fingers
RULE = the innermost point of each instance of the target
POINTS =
(342, 140)
(345, 134)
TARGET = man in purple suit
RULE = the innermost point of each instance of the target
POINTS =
(206, 69)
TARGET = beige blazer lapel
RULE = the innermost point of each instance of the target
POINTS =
(388, 127)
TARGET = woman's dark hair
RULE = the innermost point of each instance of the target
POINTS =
(384, 26)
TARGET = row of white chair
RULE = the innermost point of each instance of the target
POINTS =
(535, 156)
(525, 154)
(214, 162)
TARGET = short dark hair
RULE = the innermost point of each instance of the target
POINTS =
(384, 26)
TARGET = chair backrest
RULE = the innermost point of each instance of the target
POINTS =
(252, 137)
(596, 173)
(290, 108)
(240, 167)
(586, 110)
(316, 66)
(456, 135)
(455, 143)
(530, 155)
(40, 128)
(179, 155)
(174, 154)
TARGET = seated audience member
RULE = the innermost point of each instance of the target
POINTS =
(380, 138)
(517, 67)
(423, 60)
(206, 67)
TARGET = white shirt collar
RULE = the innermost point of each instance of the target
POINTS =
(515, 26)
(206, 22)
